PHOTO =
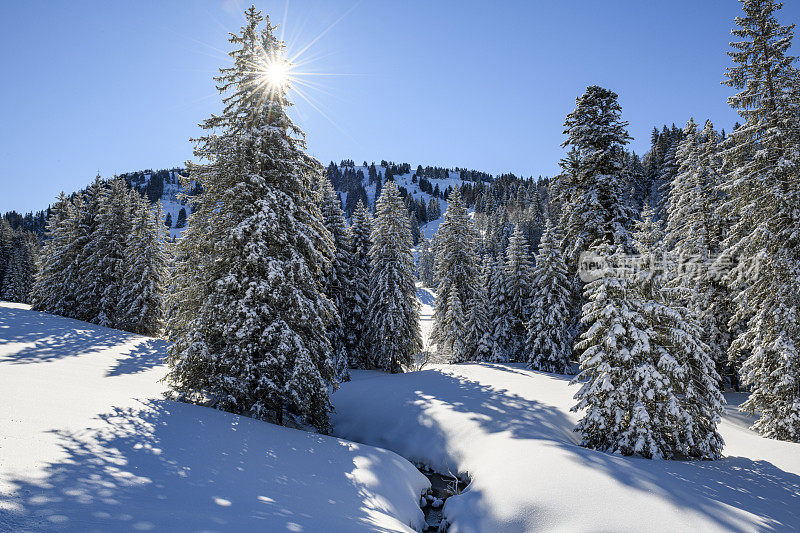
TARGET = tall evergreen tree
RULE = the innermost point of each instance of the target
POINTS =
(764, 191)
(248, 316)
(393, 307)
(337, 283)
(21, 267)
(693, 233)
(518, 288)
(501, 324)
(598, 209)
(477, 327)
(357, 324)
(457, 271)
(146, 263)
(549, 341)
(677, 334)
(48, 289)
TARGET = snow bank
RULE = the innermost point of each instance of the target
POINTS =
(510, 429)
(88, 443)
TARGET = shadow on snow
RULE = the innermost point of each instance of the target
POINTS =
(180, 467)
(43, 338)
(707, 487)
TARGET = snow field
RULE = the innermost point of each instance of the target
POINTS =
(510, 429)
(87, 443)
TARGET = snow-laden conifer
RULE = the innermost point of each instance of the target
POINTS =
(393, 314)
(763, 192)
(457, 271)
(146, 262)
(248, 316)
(518, 289)
(549, 342)
(627, 395)
(356, 325)
(337, 284)
(598, 209)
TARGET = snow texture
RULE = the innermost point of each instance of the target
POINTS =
(510, 430)
(87, 443)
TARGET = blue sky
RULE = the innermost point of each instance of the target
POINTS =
(118, 86)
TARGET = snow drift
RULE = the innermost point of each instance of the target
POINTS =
(88, 443)
(510, 429)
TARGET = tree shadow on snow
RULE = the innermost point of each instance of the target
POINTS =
(144, 356)
(178, 467)
(42, 337)
(707, 487)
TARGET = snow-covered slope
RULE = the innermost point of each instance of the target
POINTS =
(172, 187)
(510, 429)
(87, 443)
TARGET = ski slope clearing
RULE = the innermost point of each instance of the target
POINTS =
(510, 429)
(87, 443)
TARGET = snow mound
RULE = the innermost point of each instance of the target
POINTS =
(510, 429)
(87, 442)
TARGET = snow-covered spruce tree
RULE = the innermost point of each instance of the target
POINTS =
(693, 234)
(248, 317)
(356, 325)
(628, 383)
(500, 324)
(48, 288)
(677, 337)
(6, 234)
(427, 261)
(20, 270)
(393, 314)
(146, 262)
(763, 189)
(477, 326)
(109, 241)
(550, 340)
(336, 282)
(518, 289)
(598, 209)
(86, 281)
(457, 271)
(81, 222)
(660, 189)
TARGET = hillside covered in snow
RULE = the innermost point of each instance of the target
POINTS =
(425, 187)
(91, 443)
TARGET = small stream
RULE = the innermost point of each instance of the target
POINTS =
(442, 487)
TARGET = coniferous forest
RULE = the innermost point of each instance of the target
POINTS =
(632, 301)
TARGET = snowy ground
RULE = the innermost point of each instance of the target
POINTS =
(510, 429)
(87, 443)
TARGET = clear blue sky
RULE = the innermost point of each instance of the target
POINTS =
(118, 86)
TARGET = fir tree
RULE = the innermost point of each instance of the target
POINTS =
(356, 325)
(248, 315)
(500, 312)
(108, 252)
(549, 342)
(597, 210)
(477, 342)
(457, 271)
(628, 393)
(21, 267)
(693, 233)
(336, 283)
(393, 307)
(764, 192)
(48, 289)
(518, 288)
(677, 334)
(146, 263)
